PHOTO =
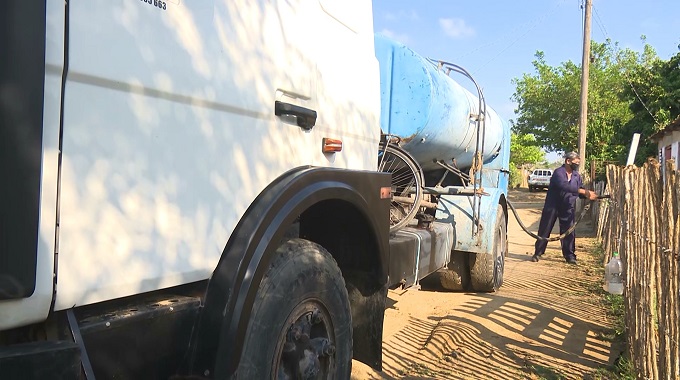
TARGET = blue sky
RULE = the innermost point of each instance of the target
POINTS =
(496, 40)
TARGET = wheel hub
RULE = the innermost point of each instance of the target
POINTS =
(308, 349)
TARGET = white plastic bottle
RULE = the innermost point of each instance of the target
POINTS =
(613, 275)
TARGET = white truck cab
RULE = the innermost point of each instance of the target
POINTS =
(162, 153)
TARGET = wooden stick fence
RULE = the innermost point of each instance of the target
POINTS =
(641, 221)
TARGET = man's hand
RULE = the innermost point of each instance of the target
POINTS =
(587, 194)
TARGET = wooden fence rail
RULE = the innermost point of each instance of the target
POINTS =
(641, 221)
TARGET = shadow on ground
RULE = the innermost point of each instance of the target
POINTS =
(546, 322)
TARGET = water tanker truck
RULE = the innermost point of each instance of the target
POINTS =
(462, 148)
(207, 190)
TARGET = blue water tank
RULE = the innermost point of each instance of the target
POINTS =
(429, 110)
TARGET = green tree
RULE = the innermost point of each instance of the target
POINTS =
(547, 107)
(548, 101)
(653, 94)
(523, 152)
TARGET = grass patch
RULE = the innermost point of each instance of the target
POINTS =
(622, 370)
(615, 310)
(420, 370)
(539, 372)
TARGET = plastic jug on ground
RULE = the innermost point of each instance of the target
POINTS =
(613, 275)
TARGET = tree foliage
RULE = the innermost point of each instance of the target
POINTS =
(620, 82)
(654, 97)
(547, 107)
(524, 150)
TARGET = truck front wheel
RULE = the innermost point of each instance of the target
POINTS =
(486, 269)
(301, 325)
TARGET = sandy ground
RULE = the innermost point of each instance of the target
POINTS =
(544, 323)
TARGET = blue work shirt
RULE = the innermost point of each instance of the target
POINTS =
(562, 192)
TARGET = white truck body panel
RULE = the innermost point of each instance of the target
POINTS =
(164, 150)
(169, 132)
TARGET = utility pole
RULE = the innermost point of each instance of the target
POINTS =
(585, 70)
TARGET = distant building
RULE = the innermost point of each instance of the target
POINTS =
(668, 142)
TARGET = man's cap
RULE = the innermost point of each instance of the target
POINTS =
(571, 156)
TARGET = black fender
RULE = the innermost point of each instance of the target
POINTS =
(232, 288)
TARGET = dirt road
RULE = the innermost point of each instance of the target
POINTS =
(544, 323)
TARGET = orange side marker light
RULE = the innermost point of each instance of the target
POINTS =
(385, 192)
(331, 145)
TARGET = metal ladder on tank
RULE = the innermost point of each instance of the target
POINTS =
(477, 162)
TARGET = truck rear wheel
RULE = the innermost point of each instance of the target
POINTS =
(456, 275)
(486, 269)
(300, 326)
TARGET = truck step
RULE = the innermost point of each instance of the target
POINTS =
(144, 340)
(40, 360)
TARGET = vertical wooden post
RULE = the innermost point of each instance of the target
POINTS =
(674, 275)
(665, 240)
(651, 301)
(626, 254)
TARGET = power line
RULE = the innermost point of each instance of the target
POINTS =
(600, 24)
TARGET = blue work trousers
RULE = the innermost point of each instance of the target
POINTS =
(548, 218)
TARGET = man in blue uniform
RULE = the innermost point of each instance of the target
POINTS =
(565, 186)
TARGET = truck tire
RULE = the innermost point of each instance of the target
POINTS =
(486, 269)
(300, 326)
(456, 275)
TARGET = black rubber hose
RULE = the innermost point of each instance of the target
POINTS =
(567, 232)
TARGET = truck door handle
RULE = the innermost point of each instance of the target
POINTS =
(305, 117)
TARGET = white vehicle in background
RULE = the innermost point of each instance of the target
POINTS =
(539, 179)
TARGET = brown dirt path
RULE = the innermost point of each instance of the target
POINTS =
(544, 323)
